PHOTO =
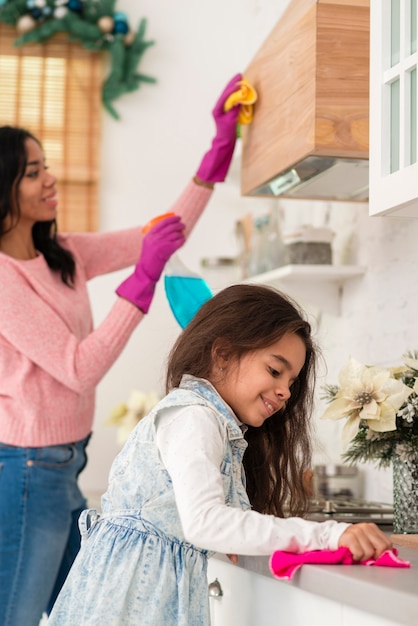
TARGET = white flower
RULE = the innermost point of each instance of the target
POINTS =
(366, 393)
(141, 403)
(126, 416)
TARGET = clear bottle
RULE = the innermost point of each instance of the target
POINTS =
(244, 234)
(277, 251)
(186, 291)
(258, 262)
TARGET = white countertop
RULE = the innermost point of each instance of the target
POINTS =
(386, 592)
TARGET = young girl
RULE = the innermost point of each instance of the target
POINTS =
(213, 468)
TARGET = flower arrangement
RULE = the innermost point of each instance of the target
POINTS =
(380, 406)
(127, 415)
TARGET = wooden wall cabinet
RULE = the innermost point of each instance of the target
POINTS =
(312, 113)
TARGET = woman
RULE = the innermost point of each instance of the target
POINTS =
(51, 357)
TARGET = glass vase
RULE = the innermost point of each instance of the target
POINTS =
(405, 495)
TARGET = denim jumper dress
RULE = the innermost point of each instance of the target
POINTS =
(134, 566)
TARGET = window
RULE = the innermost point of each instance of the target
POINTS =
(54, 90)
(393, 108)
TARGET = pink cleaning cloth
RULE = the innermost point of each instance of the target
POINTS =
(285, 564)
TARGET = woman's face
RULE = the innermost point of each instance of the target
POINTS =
(261, 383)
(37, 194)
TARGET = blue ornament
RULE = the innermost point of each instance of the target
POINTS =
(46, 11)
(3, 2)
(120, 23)
(31, 4)
(36, 13)
(120, 17)
(75, 5)
(120, 28)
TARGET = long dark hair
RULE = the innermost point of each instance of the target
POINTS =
(13, 161)
(248, 318)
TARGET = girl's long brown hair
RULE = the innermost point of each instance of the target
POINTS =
(248, 318)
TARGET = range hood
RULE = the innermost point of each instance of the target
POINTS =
(310, 134)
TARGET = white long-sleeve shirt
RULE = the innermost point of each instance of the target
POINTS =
(193, 463)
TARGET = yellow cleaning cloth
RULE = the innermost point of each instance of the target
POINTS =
(246, 95)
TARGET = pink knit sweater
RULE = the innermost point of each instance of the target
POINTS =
(51, 358)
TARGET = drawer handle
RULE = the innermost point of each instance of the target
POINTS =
(215, 589)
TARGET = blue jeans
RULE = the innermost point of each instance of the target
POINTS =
(40, 503)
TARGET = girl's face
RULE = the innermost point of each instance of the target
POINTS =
(260, 383)
(37, 193)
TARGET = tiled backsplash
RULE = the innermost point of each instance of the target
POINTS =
(378, 322)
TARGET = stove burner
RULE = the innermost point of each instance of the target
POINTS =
(351, 510)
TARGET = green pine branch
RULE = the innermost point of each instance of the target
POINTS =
(123, 76)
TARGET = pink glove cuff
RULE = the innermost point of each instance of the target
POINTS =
(139, 292)
(215, 164)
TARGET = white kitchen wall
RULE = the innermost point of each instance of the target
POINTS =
(152, 152)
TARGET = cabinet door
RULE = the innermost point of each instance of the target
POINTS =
(393, 108)
(235, 604)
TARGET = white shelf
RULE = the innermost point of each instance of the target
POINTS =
(320, 285)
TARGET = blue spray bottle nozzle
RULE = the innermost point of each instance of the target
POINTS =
(186, 291)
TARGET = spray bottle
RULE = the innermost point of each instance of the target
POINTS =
(185, 290)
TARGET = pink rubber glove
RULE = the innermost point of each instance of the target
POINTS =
(215, 164)
(157, 247)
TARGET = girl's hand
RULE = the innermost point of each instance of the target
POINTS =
(233, 558)
(365, 541)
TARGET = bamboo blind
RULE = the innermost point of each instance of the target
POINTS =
(54, 90)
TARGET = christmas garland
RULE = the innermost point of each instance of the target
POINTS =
(95, 25)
